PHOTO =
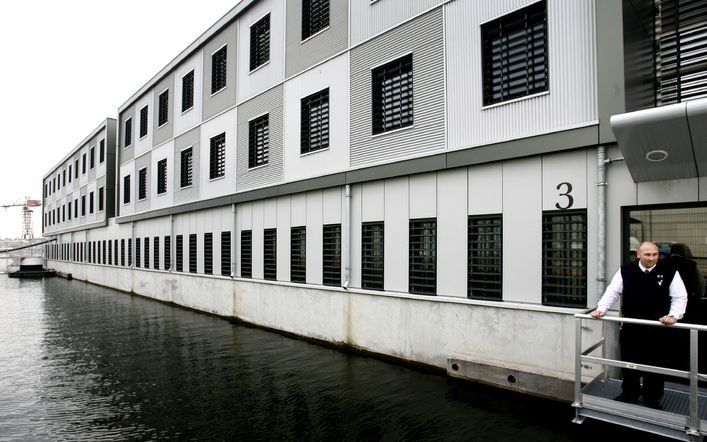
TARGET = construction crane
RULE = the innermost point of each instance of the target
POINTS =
(26, 215)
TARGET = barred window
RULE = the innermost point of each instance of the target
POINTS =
(103, 252)
(218, 70)
(83, 205)
(100, 199)
(331, 254)
(128, 135)
(70, 177)
(101, 154)
(226, 253)
(514, 54)
(83, 166)
(162, 176)
(372, 255)
(208, 253)
(156, 253)
(423, 256)
(167, 252)
(143, 121)
(485, 257)
(185, 176)
(163, 110)
(298, 254)
(137, 252)
(130, 252)
(188, 91)
(314, 123)
(315, 17)
(392, 95)
(90, 202)
(147, 253)
(122, 252)
(260, 42)
(270, 254)
(247, 254)
(217, 165)
(565, 258)
(258, 141)
(142, 184)
(91, 159)
(110, 252)
(180, 253)
(76, 168)
(68, 211)
(126, 189)
(192, 253)
(115, 251)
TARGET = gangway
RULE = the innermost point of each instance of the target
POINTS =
(684, 407)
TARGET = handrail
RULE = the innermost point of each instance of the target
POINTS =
(680, 325)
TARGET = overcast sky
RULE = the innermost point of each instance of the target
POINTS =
(67, 66)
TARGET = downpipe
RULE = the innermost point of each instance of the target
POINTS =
(347, 236)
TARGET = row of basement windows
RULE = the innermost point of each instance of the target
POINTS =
(59, 180)
(514, 64)
(61, 214)
(564, 257)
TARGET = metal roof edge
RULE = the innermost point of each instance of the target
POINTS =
(93, 133)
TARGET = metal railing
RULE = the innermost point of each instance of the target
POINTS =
(693, 375)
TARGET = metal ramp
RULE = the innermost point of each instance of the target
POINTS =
(684, 407)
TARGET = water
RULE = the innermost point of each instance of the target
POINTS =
(80, 362)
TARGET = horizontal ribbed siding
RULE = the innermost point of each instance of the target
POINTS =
(423, 38)
(369, 19)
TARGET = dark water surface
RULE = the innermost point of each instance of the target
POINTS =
(81, 362)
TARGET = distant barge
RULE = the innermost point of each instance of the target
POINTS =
(31, 267)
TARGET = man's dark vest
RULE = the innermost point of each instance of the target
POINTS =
(646, 295)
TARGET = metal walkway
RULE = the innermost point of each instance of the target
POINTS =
(683, 413)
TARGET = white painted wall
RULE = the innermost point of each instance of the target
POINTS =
(396, 244)
(184, 121)
(452, 233)
(225, 185)
(159, 201)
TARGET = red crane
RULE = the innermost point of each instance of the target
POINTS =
(26, 215)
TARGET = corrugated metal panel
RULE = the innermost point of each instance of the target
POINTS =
(571, 100)
(369, 19)
(301, 55)
(270, 102)
(423, 38)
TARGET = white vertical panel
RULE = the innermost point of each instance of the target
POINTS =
(592, 249)
(357, 196)
(621, 191)
(372, 201)
(332, 204)
(257, 245)
(245, 214)
(423, 196)
(565, 173)
(190, 118)
(673, 191)
(283, 238)
(270, 213)
(314, 237)
(369, 19)
(396, 244)
(522, 231)
(702, 189)
(298, 209)
(224, 123)
(486, 189)
(452, 233)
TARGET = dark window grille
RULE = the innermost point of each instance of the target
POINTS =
(142, 184)
(115, 251)
(63, 213)
(63, 178)
(147, 253)
(226, 253)
(485, 257)
(180, 253)
(162, 176)
(163, 108)
(143, 121)
(126, 189)
(298, 254)
(258, 141)
(76, 208)
(372, 255)
(218, 70)
(392, 95)
(315, 17)
(514, 54)
(156, 253)
(138, 251)
(423, 256)
(90, 202)
(167, 253)
(91, 159)
(70, 178)
(83, 205)
(331, 254)
(101, 153)
(130, 252)
(260, 42)
(247, 254)
(270, 254)
(103, 252)
(83, 166)
(185, 176)
(69, 209)
(314, 124)
(76, 168)
(122, 252)
(565, 258)
(217, 164)
(188, 91)
(209, 253)
(128, 132)
(100, 198)
(192, 253)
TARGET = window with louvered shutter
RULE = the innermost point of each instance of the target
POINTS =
(392, 106)
(115, 251)
(90, 202)
(91, 159)
(514, 54)
(188, 91)
(485, 257)
(180, 253)
(226, 253)
(260, 42)
(208, 253)
(247, 254)
(147, 253)
(122, 252)
(143, 121)
(564, 258)
(372, 257)
(298, 254)
(218, 70)
(110, 252)
(101, 152)
(138, 252)
(142, 184)
(315, 17)
(331, 254)
(217, 163)
(185, 175)
(128, 135)
(156, 252)
(270, 254)
(163, 108)
(314, 123)
(192, 253)
(423, 256)
(167, 252)
(258, 141)
(162, 176)
(126, 189)
(100, 199)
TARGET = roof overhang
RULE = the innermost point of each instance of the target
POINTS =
(664, 143)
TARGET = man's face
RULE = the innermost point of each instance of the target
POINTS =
(648, 255)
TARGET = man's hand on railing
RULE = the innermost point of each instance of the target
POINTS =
(597, 314)
(668, 320)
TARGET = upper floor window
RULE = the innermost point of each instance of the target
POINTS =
(392, 95)
(185, 175)
(514, 54)
(142, 184)
(83, 163)
(128, 132)
(188, 91)
(63, 177)
(260, 42)
(258, 141)
(218, 70)
(126, 189)
(143, 121)
(217, 163)
(163, 108)
(70, 174)
(100, 199)
(162, 176)
(315, 17)
(101, 151)
(314, 124)
(564, 258)
(90, 202)
(76, 168)
(92, 157)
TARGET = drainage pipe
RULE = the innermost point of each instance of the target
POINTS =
(172, 247)
(233, 240)
(347, 237)
(602, 162)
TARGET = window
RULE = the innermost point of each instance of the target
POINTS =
(260, 42)
(226, 253)
(217, 165)
(565, 258)
(83, 205)
(92, 157)
(101, 151)
(76, 208)
(100, 199)
(126, 189)
(423, 256)
(298, 254)
(168, 253)
(70, 177)
(315, 17)
(143, 121)
(185, 176)
(392, 95)
(156, 253)
(209, 253)
(103, 252)
(188, 91)
(258, 141)
(90, 202)
(484, 260)
(314, 124)
(142, 184)
(162, 176)
(63, 213)
(192, 253)
(218, 70)
(247, 254)
(180, 253)
(110, 252)
(76, 168)
(137, 252)
(372, 242)
(331, 255)
(63, 177)
(270, 254)
(514, 54)
(128, 132)
(69, 204)
(163, 108)
(122, 252)
(147, 253)
(83, 163)
(115, 251)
